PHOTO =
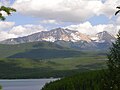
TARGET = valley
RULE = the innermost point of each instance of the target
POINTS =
(59, 45)
(61, 67)
(47, 59)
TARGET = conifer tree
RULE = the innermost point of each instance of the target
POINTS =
(118, 11)
(112, 77)
(0, 87)
(8, 10)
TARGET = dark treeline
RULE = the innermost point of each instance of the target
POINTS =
(12, 71)
(84, 81)
(0, 87)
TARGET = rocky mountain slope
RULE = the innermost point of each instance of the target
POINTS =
(51, 36)
(68, 38)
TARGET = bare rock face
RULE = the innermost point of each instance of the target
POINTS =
(68, 38)
(51, 36)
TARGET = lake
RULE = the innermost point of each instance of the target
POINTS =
(24, 84)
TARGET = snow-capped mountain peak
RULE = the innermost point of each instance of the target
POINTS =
(102, 37)
(51, 36)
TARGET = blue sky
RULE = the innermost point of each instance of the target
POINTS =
(82, 15)
(21, 19)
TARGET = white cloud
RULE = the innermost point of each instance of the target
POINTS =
(118, 20)
(3, 13)
(26, 30)
(6, 25)
(49, 22)
(88, 29)
(5, 35)
(112, 29)
(109, 7)
(66, 10)
(62, 10)
(21, 30)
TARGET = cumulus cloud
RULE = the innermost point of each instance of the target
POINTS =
(109, 7)
(21, 30)
(118, 20)
(49, 22)
(4, 13)
(66, 10)
(5, 35)
(6, 25)
(86, 28)
(26, 30)
(89, 29)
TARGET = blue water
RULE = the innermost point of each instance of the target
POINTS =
(24, 84)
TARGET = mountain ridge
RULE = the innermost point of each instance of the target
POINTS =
(51, 36)
(67, 37)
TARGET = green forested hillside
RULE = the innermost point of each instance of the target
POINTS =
(46, 59)
(84, 81)
(43, 50)
(46, 68)
(43, 53)
(36, 50)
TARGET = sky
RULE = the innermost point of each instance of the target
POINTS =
(86, 16)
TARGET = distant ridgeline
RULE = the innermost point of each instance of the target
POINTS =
(37, 50)
(68, 38)
(41, 50)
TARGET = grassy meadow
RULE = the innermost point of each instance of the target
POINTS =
(46, 59)
(46, 68)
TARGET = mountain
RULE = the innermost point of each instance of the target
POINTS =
(80, 45)
(104, 37)
(51, 36)
(67, 38)
(104, 40)
(36, 50)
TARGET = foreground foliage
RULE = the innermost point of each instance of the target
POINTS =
(112, 79)
(8, 11)
(0, 87)
(84, 81)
